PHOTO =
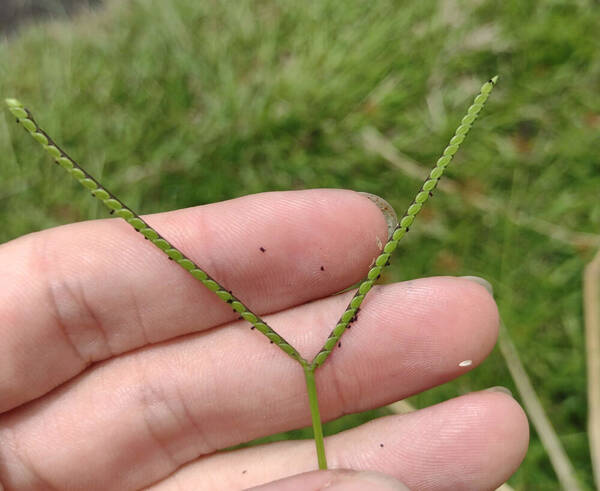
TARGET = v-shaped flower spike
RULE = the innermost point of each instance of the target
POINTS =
(117, 207)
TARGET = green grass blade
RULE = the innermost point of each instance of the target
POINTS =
(405, 222)
(116, 206)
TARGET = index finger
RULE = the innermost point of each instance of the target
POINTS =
(85, 292)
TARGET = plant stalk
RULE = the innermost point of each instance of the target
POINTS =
(311, 387)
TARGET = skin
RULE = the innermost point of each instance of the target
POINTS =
(120, 371)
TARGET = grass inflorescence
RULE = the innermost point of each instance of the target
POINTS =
(116, 206)
(176, 104)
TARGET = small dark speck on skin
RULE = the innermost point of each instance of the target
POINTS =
(322, 268)
(244, 471)
(262, 249)
(271, 342)
(381, 445)
(339, 345)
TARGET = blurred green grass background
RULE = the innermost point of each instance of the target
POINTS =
(181, 103)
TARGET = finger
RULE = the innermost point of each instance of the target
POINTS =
(166, 405)
(475, 441)
(88, 291)
(335, 480)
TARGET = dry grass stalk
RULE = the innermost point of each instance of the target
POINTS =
(558, 457)
(591, 304)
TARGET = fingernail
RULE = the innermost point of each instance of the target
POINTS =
(500, 388)
(484, 283)
(388, 212)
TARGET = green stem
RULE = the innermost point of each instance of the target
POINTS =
(311, 387)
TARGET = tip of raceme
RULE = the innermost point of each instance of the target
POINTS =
(10, 102)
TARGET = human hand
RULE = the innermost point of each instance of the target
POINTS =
(118, 370)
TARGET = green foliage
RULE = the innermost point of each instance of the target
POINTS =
(175, 104)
